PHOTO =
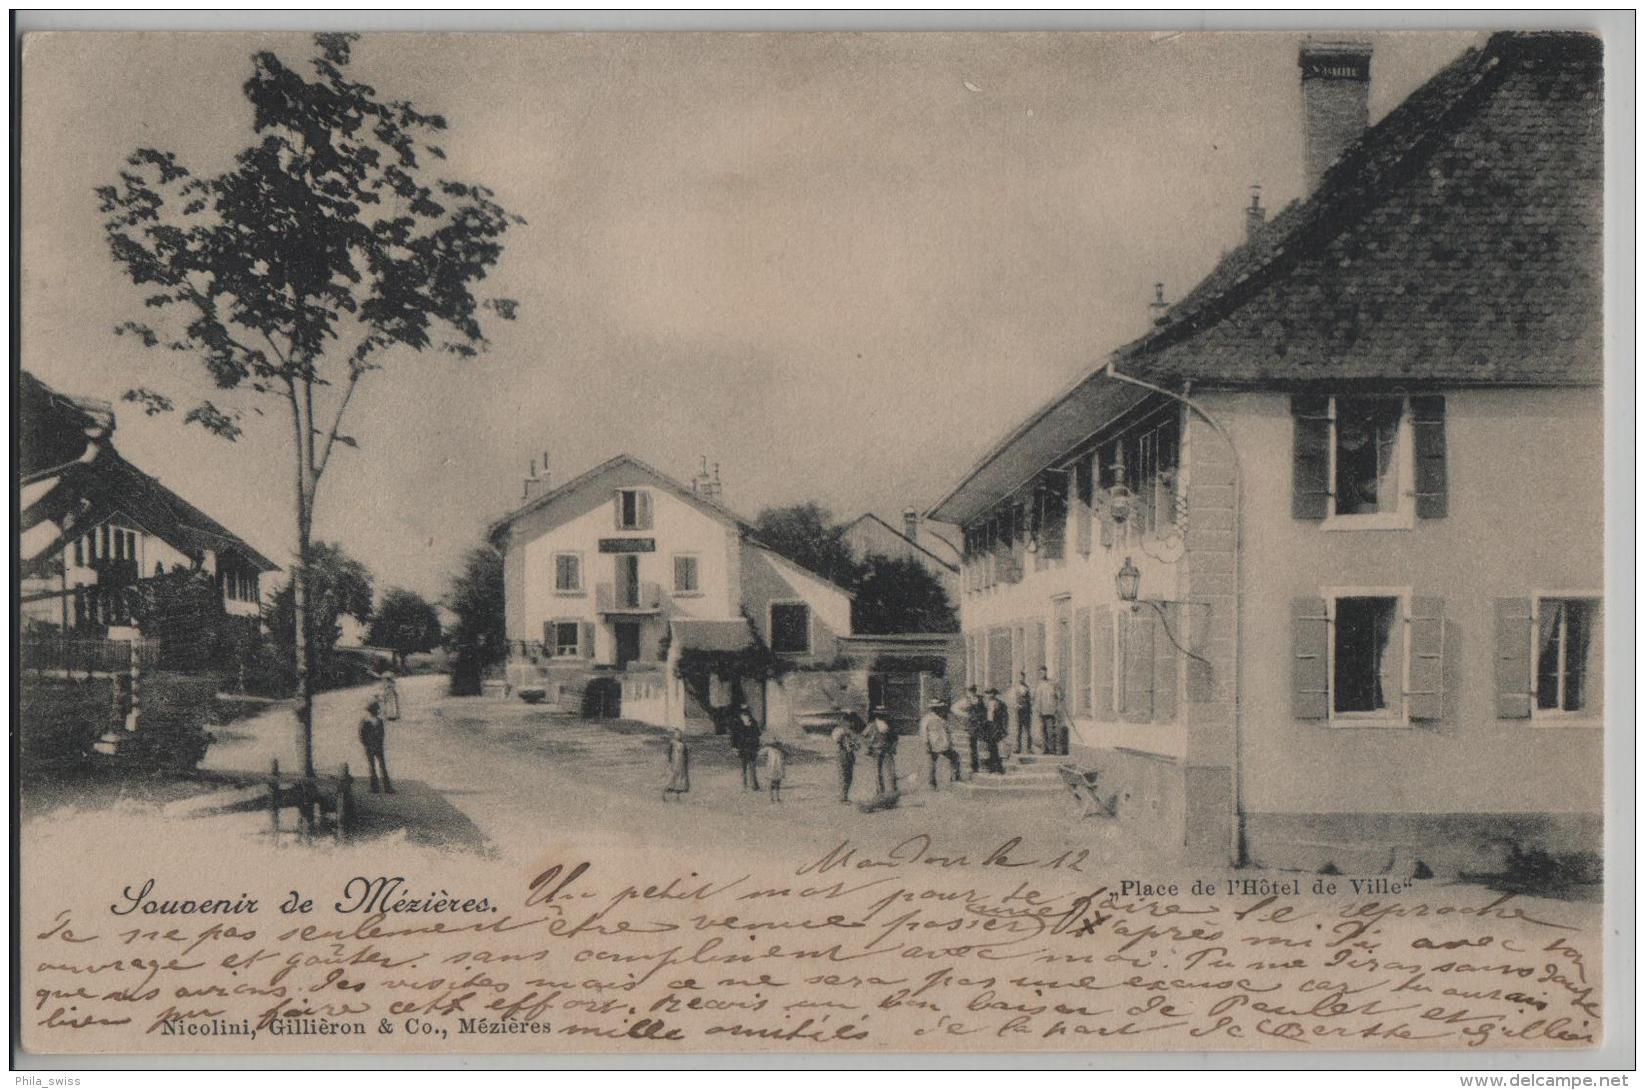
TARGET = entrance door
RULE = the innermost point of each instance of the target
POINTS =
(628, 581)
(628, 643)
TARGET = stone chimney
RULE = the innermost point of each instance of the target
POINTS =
(1336, 93)
(910, 524)
(1255, 215)
(536, 485)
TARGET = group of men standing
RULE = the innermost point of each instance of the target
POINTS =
(986, 721)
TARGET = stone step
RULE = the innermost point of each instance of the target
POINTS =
(1005, 785)
(1042, 759)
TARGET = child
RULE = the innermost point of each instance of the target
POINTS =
(776, 755)
(679, 767)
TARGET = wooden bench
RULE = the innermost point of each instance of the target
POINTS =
(1083, 783)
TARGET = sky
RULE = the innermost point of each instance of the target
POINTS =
(840, 265)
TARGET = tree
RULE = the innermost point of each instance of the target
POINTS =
(336, 585)
(479, 638)
(294, 274)
(807, 534)
(900, 595)
(405, 624)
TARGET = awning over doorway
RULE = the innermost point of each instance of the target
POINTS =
(696, 635)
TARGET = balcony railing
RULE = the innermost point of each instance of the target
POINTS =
(628, 598)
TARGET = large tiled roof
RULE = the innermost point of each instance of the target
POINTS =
(1458, 241)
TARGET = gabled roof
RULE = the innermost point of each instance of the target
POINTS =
(103, 484)
(1457, 243)
(707, 504)
(869, 516)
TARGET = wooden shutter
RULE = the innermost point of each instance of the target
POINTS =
(1427, 642)
(548, 639)
(1391, 670)
(1428, 433)
(1310, 457)
(1082, 662)
(642, 510)
(1136, 637)
(1310, 668)
(617, 509)
(1038, 649)
(585, 638)
(1166, 665)
(1513, 658)
(1102, 659)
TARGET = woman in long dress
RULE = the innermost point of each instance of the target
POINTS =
(679, 767)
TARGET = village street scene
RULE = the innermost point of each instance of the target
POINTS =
(1147, 458)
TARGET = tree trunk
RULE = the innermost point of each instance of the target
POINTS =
(305, 649)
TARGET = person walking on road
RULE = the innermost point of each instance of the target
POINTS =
(882, 746)
(1022, 705)
(996, 729)
(847, 737)
(679, 767)
(1048, 706)
(372, 738)
(745, 739)
(970, 714)
(939, 742)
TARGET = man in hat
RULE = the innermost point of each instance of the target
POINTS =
(969, 714)
(371, 737)
(939, 742)
(882, 746)
(998, 727)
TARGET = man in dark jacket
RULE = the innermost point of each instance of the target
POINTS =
(973, 719)
(745, 739)
(996, 730)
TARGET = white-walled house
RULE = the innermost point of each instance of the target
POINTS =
(1354, 484)
(619, 570)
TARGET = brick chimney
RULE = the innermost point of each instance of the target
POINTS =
(1336, 92)
(910, 524)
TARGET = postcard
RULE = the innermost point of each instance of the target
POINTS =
(827, 543)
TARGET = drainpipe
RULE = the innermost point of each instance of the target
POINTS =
(1237, 851)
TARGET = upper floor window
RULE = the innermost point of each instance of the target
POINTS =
(1567, 655)
(685, 574)
(633, 509)
(1375, 462)
(568, 572)
(1144, 461)
(790, 628)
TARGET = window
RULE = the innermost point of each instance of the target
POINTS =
(1366, 447)
(565, 638)
(1367, 666)
(633, 509)
(1145, 461)
(1368, 462)
(1567, 652)
(790, 628)
(685, 575)
(568, 572)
